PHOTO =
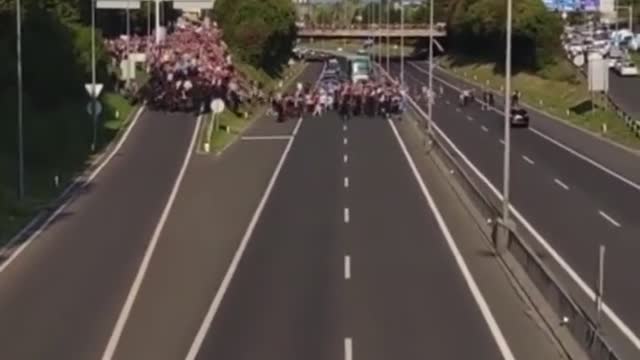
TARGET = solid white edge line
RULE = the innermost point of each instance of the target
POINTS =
(527, 159)
(347, 216)
(552, 140)
(114, 339)
(217, 300)
(561, 184)
(631, 336)
(347, 267)
(348, 349)
(484, 128)
(346, 181)
(609, 218)
(64, 205)
(505, 350)
(267, 137)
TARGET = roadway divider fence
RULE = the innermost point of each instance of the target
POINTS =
(570, 314)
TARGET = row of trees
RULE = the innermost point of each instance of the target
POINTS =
(348, 12)
(260, 32)
(477, 28)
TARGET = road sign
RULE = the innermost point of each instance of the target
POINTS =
(217, 106)
(578, 60)
(90, 89)
(98, 108)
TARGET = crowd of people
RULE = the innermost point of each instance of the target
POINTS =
(190, 67)
(364, 98)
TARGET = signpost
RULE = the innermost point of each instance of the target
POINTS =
(217, 107)
(598, 75)
(98, 107)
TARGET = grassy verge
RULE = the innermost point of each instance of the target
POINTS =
(556, 90)
(230, 126)
(57, 145)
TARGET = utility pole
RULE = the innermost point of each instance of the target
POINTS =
(388, 36)
(94, 97)
(157, 22)
(20, 105)
(402, 46)
(432, 93)
(506, 222)
(128, 45)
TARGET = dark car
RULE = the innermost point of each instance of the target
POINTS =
(519, 117)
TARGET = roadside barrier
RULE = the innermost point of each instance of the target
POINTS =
(570, 314)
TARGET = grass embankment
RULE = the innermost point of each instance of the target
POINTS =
(558, 90)
(57, 143)
(230, 125)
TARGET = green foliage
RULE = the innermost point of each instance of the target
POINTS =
(477, 27)
(261, 32)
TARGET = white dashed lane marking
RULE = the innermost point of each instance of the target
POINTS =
(346, 182)
(561, 184)
(528, 160)
(609, 218)
(347, 215)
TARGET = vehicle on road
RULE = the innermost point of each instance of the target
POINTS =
(626, 68)
(359, 68)
(519, 117)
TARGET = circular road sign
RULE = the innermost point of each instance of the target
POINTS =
(578, 60)
(217, 106)
(98, 108)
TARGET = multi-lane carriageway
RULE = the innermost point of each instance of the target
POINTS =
(571, 191)
(312, 239)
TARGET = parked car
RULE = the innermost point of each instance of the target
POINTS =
(626, 68)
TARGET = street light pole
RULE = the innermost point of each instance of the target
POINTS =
(157, 22)
(94, 96)
(402, 46)
(507, 131)
(388, 36)
(128, 45)
(19, 75)
(432, 93)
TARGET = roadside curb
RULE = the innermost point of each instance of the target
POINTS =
(70, 191)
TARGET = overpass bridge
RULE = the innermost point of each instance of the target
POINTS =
(363, 33)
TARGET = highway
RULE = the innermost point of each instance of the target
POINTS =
(61, 294)
(309, 239)
(347, 258)
(572, 202)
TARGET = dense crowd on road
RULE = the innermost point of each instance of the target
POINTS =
(363, 98)
(189, 68)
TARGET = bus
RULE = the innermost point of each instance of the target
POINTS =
(359, 67)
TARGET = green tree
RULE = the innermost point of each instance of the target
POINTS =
(261, 32)
(477, 27)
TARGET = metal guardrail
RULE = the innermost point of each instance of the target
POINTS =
(581, 326)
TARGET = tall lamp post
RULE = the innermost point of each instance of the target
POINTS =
(402, 46)
(432, 93)
(388, 36)
(19, 75)
(94, 97)
(506, 223)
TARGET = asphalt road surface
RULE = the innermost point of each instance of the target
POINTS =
(624, 91)
(60, 296)
(347, 261)
(574, 205)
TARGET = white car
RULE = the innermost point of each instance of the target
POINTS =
(626, 68)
